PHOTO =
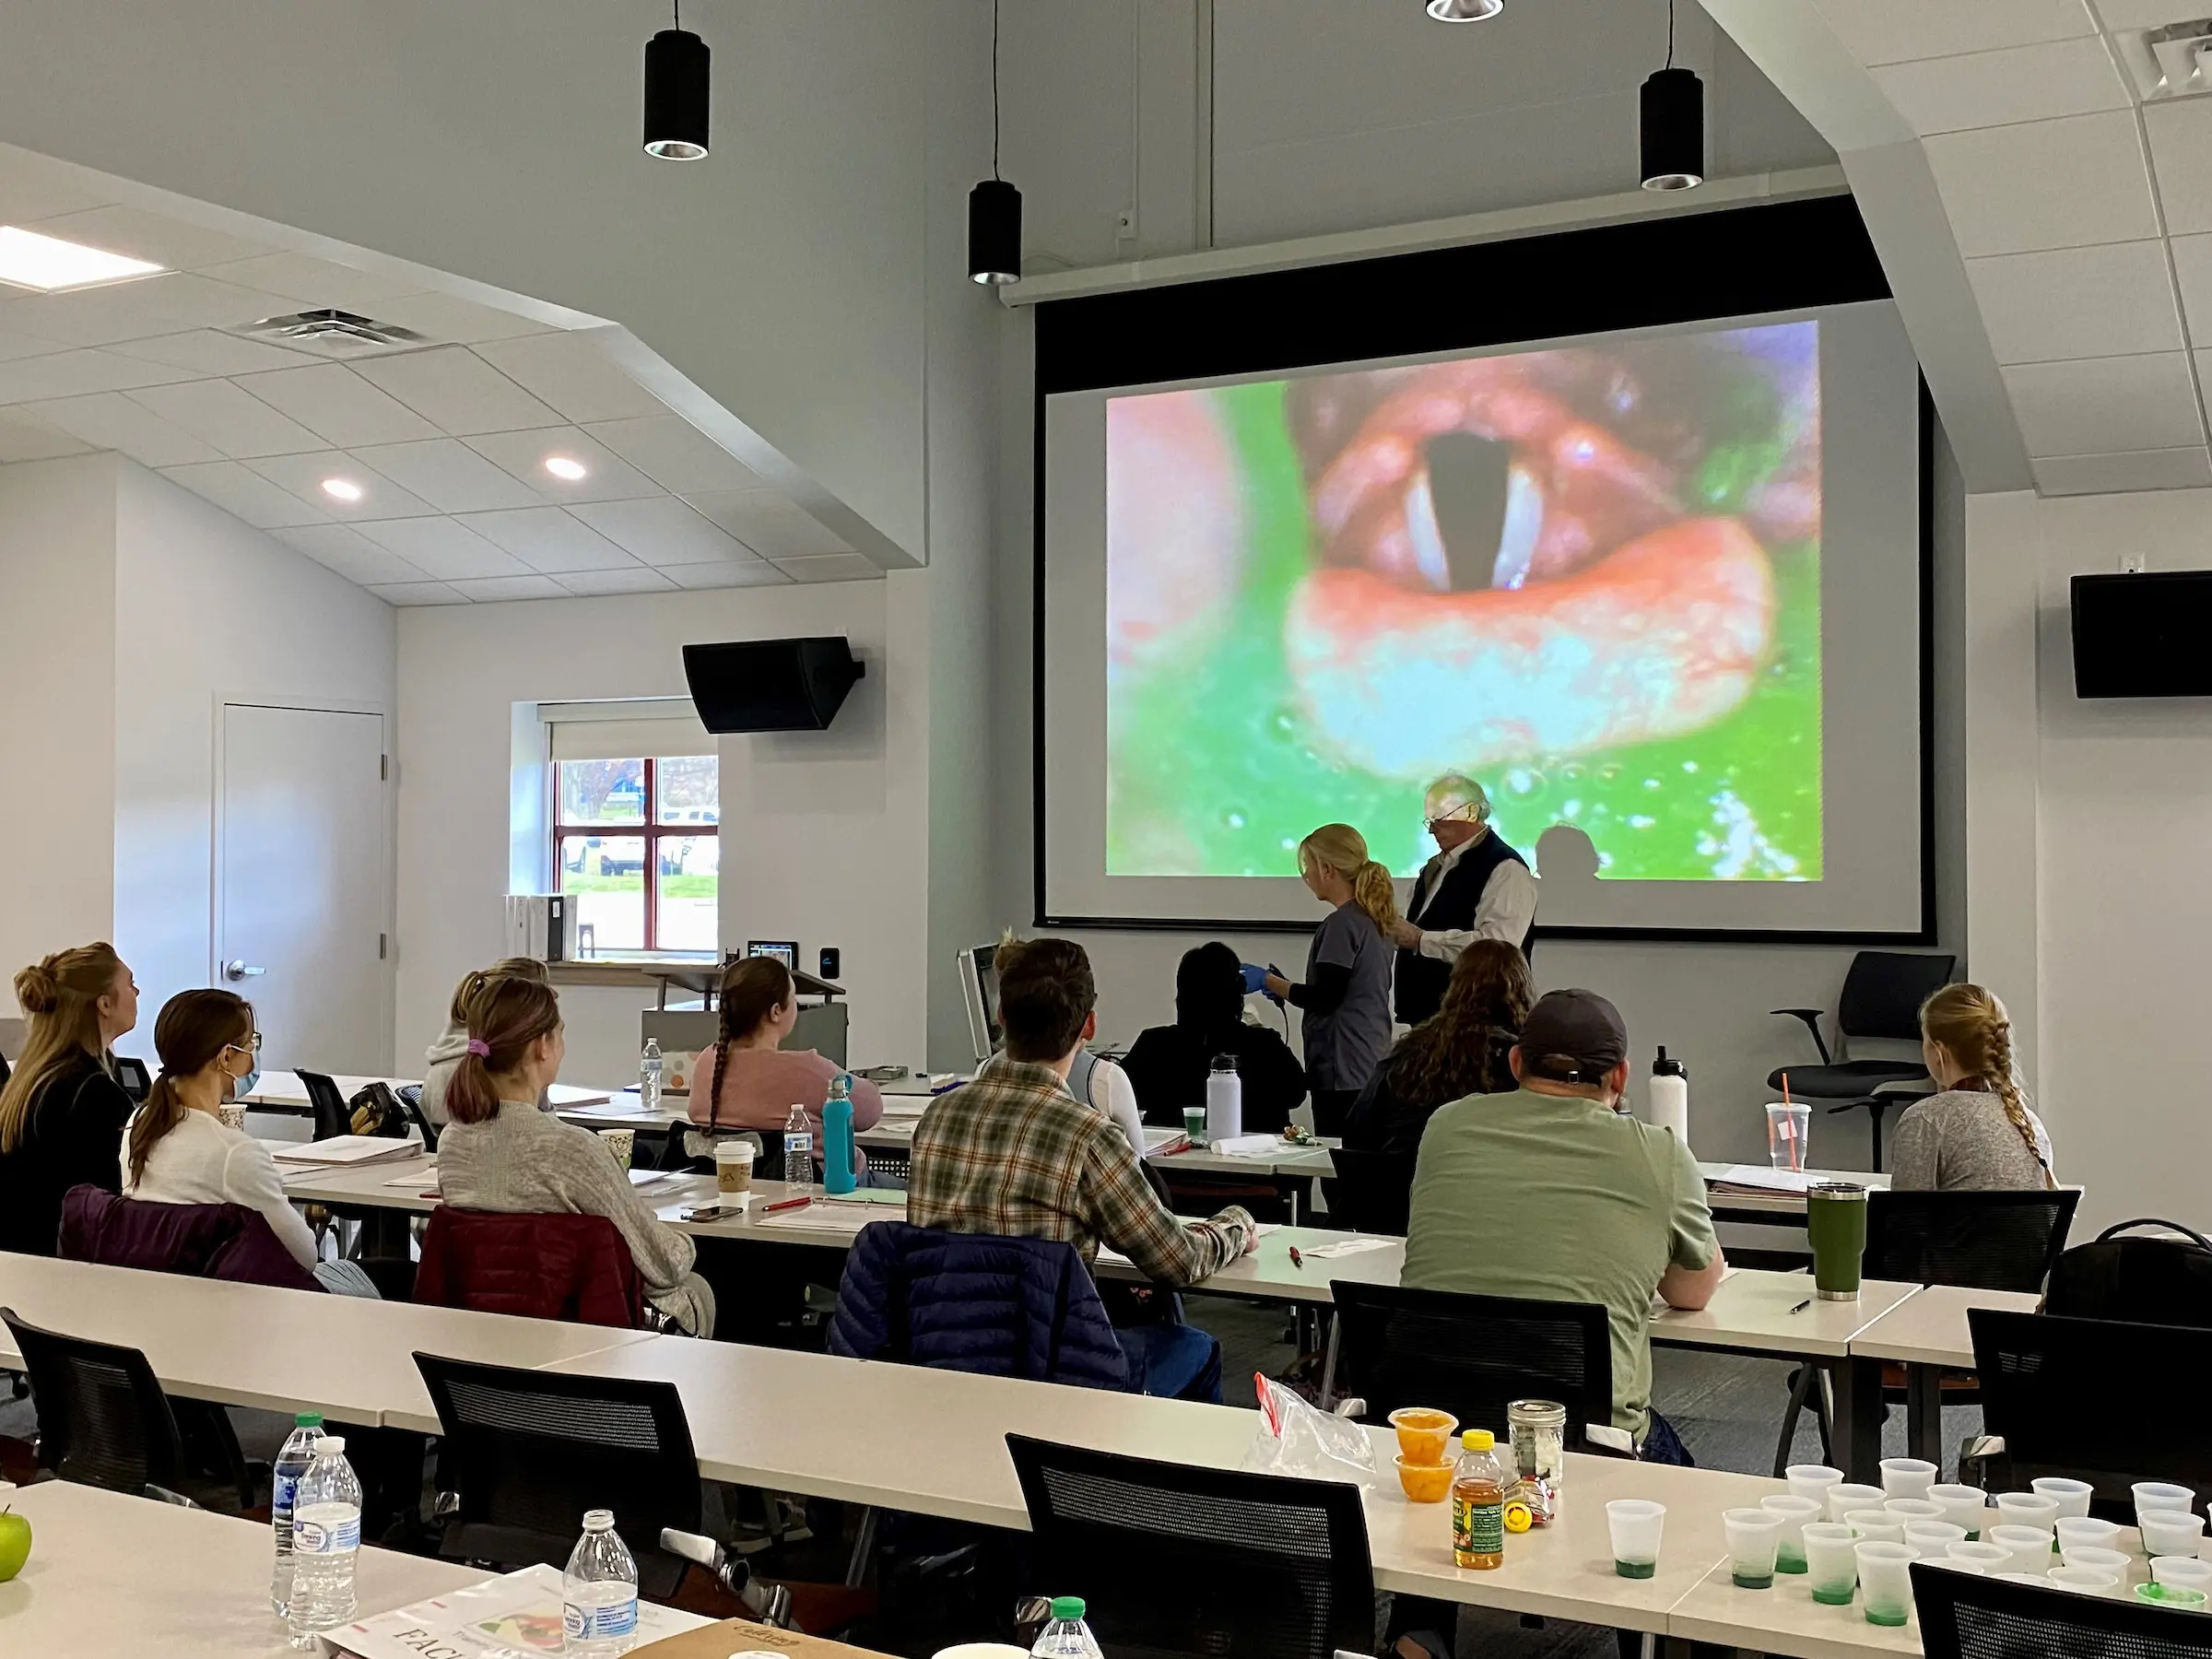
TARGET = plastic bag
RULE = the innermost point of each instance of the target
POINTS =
(1296, 1439)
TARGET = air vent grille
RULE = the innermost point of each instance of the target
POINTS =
(2173, 61)
(332, 333)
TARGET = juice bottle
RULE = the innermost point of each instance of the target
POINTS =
(1478, 1504)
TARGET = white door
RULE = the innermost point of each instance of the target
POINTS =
(300, 883)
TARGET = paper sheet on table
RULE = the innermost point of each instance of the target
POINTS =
(350, 1151)
(422, 1181)
(1752, 1178)
(820, 1217)
(1344, 1247)
(1246, 1145)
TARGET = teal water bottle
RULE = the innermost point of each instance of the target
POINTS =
(837, 1139)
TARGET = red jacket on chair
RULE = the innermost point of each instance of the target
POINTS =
(542, 1266)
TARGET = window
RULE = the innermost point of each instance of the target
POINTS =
(639, 844)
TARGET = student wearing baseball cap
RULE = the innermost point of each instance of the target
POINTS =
(1555, 1193)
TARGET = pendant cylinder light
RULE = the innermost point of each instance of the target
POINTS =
(995, 234)
(678, 83)
(1674, 131)
(1464, 11)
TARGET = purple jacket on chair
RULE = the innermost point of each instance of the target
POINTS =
(205, 1240)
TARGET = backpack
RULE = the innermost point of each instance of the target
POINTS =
(2143, 1280)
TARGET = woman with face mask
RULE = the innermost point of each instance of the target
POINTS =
(61, 1112)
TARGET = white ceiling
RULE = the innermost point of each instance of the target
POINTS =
(447, 439)
(2083, 215)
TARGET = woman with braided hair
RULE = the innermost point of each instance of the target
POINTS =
(1978, 1134)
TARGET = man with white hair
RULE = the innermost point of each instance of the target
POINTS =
(1475, 888)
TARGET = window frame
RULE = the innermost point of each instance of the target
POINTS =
(651, 830)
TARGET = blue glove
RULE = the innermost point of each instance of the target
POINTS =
(1256, 978)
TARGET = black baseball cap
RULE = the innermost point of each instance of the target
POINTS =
(1572, 1037)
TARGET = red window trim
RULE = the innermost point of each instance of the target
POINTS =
(650, 832)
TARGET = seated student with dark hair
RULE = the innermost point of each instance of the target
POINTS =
(1460, 1049)
(1014, 1154)
(1169, 1064)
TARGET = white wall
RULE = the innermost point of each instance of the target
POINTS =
(207, 611)
(57, 687)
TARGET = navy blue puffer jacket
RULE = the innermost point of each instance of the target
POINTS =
(1002, 1307)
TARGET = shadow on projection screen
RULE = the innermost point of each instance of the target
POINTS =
(1659, 593)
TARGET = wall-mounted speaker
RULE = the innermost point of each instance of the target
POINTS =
(770, 684)
(2143, 635)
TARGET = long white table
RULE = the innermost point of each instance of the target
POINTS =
(282, 1090)
(1927, 1335)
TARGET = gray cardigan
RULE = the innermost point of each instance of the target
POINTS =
(524, 1161)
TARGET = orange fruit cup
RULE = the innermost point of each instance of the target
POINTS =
(1424, 1433)
(1425, 1482)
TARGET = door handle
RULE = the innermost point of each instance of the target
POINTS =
(237, 969)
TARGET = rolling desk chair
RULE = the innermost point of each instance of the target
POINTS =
(1881, 998)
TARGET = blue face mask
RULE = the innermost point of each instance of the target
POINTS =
(242, 1087)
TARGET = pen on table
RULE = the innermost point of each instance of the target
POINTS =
(1296, 1260)
(1802, 1306)
(786, 1203)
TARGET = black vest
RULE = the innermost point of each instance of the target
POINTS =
(1451, 909)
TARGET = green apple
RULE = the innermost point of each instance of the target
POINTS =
(14, 1544)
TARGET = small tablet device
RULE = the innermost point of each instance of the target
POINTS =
(785, 951)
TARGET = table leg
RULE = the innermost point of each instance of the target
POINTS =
(1858, 1426)
(1924, 1412)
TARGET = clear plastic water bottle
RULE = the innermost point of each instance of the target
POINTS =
(648, 1076)
(292, 1458)
(326, 1542)
(1066, 1636)
(599, 1592)
(798, 1151)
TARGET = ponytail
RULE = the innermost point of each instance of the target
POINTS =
(195, 1030)
(1343, 849)
(506, 1016)
(473, 983)
(1373, 892)
(1972, 1024)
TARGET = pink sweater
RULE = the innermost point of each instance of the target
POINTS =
(765, 1084)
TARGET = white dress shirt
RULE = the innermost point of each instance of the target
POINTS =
(204, 1161)
(1505, 910)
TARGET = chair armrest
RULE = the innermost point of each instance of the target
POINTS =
(1811, 1016)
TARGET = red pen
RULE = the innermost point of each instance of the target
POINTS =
(783, 1203)
(1296, 1260)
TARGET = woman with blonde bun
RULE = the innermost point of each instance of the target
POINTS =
(61, 1112)
(445, 1054)
(1978, 1134)
(1345, 999)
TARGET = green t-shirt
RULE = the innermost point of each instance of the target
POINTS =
(1558, 1199)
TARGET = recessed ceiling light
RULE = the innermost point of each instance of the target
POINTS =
(342, 489)
(565, 468)
(1464, 11)
(30, 260)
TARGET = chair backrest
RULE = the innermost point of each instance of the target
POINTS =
(1883, 991)
(410, 1102)
(203, 1241)
(132, 1075)
(1997, 1241)
(1470, 1355)
(328, 1105)
(1964, 1616)
(541, 1266)
(1373, 1192)
(528, 1452)
(103, 1421)
(2151, 1279)
(2102, 1400)
(1176, 1559)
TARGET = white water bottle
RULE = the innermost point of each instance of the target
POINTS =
(327, 1543)
(1224, 1100)
(1670, 1097)
(292, 1459)
(648, 1076)
(599, 1592)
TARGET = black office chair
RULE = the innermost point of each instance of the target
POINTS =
(103, 1421)
(526, 1453)
(1178, 1560)
(1882, 994)
(2102, 1400)
(1373, 1191)
(331, 1118)
(410, 1103)
(1965, 1616)
(1470, 1355)
(134, 1079)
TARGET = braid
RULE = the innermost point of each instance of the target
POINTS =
(722, 1070)
(2003, 1083)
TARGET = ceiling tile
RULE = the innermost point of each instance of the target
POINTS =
(34, 187)
(449, 475)
(245, 494)
(594, 585)
(22, 438)
(571, 372)
(348, 552)
(209, 351)
(770, 525)
(661, 531)
(17, 346)
(2104, 405)
(2148, 14)
(74, 373)
(2193, 266)
(237, 423)
(303, 475)
(550, 539)
(2180, 153)
(757, 572)
(136, 310)
(461, 321)
(111, 420)
(2044, 184)
(675, 455)
(154, 237)
(443, 549)
(457, 390)
(1888, 31)
(2142, 469)
(491, 590)
(338, 405)
(315, 283)
(418, 593)
(1997, 89)
(830, 567)
(2108, 300)
(607, 476)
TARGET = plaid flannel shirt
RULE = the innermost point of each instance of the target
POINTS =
(1014, 1153)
